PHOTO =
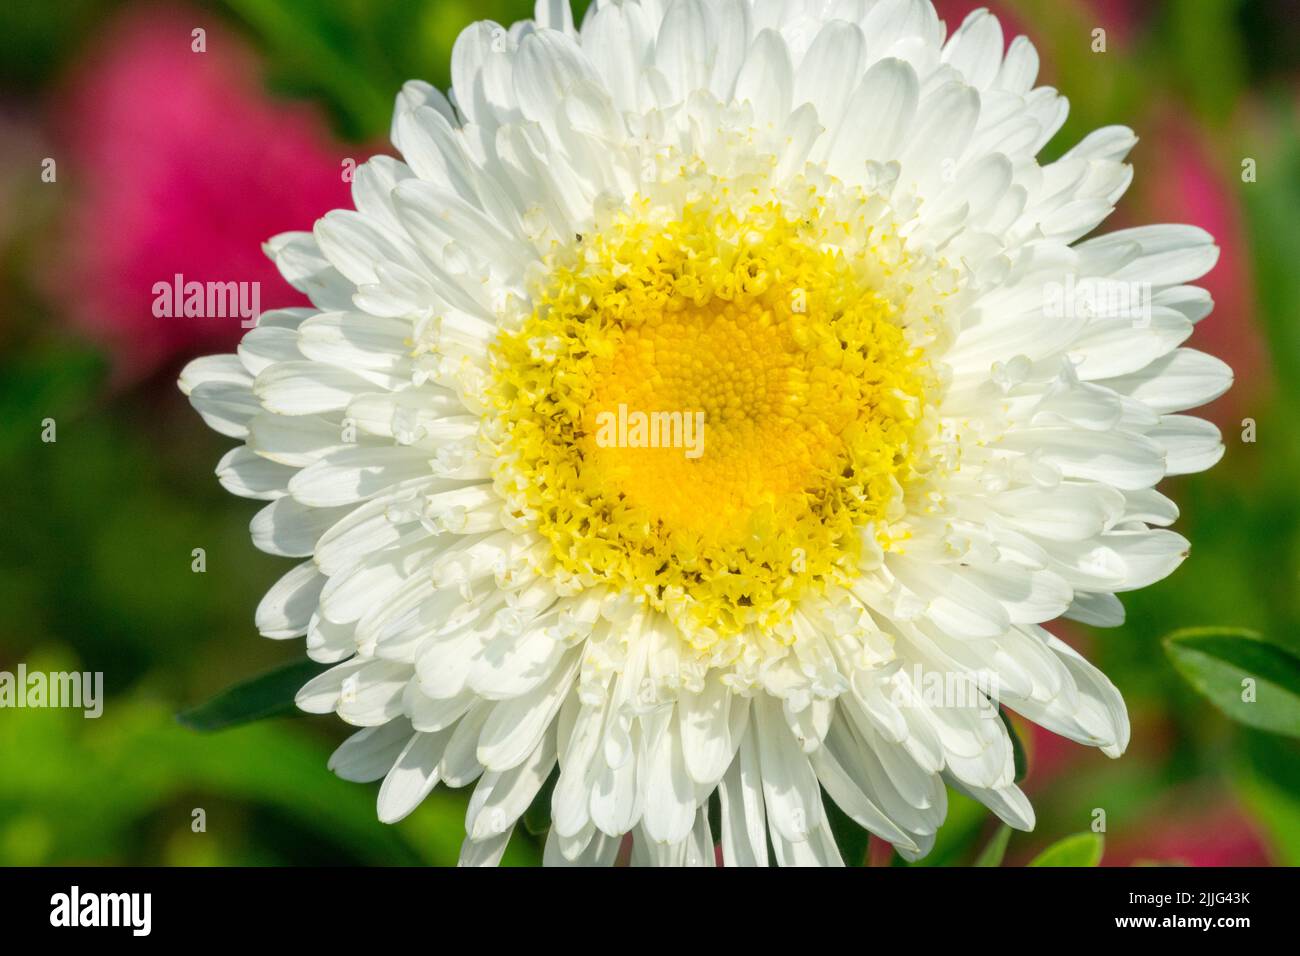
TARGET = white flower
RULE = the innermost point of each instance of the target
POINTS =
(932, 421)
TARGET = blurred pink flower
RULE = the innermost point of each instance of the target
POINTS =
(1218, 835)
(180, 163)
(953, 12)
(1119, 17)
(1186, 180)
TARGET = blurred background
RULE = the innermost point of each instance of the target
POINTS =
(167, 160)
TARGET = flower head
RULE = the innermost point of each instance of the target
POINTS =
(718, 399)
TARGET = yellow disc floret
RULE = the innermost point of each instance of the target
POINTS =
(713, 411)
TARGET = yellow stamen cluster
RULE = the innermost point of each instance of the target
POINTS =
(810, 392)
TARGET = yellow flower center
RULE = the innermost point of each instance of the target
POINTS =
(714, 412)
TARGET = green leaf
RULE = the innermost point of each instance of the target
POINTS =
(996, 849)
(1219, 661)
(1017, 748)
(270, 695)
(1082, 849)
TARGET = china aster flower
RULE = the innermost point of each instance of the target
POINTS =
(932, 419)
